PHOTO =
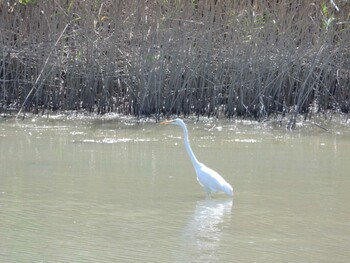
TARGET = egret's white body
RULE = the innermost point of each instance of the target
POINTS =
(210, 180)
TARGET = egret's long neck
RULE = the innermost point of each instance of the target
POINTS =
(189, 149)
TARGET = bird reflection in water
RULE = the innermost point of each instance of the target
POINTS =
(203, 233)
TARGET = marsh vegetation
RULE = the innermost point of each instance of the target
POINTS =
(250, 59)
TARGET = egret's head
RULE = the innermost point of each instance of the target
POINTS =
(175, 122)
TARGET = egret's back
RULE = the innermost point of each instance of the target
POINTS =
(212, 181)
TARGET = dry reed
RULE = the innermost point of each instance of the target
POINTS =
(206, 57)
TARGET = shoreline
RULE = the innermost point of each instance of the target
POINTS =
(288, 121)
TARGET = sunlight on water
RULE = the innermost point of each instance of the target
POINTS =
(84, 189)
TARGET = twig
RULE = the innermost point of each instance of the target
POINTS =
(41, 72)
(319, 126)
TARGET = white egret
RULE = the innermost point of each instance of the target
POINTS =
(210, 180)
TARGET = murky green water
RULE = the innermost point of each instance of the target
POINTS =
(75, 190)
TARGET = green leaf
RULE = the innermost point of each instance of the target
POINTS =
(25, 2)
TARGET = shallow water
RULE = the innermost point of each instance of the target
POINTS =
(115, 190)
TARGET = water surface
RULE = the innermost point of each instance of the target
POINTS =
(118, 190)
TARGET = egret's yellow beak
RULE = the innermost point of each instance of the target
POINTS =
(166, 122)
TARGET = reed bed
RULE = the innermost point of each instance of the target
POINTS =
(238, 58)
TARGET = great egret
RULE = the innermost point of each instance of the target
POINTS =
(210, 180)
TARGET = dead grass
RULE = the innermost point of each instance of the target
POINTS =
(251, 59)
